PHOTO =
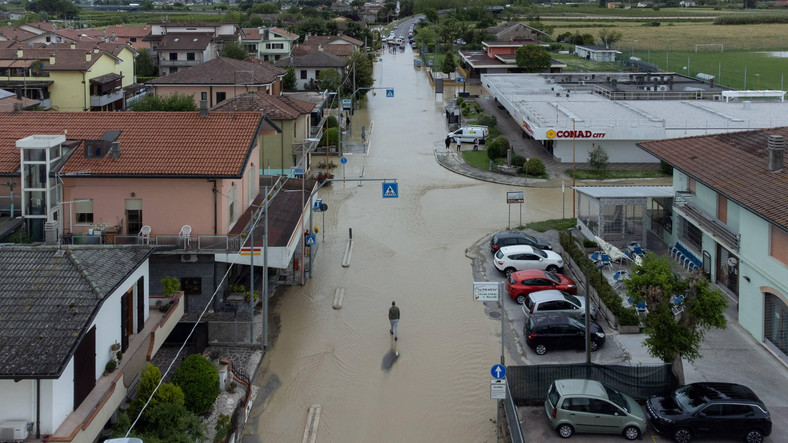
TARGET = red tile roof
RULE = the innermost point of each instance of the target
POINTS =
(735, 165)
(151, 143)
(274, 107)
(224, 71)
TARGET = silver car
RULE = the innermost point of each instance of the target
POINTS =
(553, 300)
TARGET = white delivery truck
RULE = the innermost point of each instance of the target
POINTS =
(467, 134)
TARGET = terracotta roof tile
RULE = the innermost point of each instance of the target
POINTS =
(223, 70)
(151, 143)
(313, 59)
(274, 107)
(735, 165)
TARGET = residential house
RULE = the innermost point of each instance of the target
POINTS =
(509, 31)
(596, 53)
(268, 44)
(133, 35)
(11, 102)
(67, 313)
(307, 67)
(498, 57)
(370, 12)
(220, 79)
(70, 77)
(179, 45)
(730, 214)
(286, 153)
(339, 45)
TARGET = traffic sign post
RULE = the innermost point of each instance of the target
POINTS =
(498, 389)
(498, 371)
(390, 190)
(486, 291)
(389, 93)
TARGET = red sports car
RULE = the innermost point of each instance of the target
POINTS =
(520, 284)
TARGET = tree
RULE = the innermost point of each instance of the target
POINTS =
(597, 158)
(609, 36)
(532, 58)
(173, 102)
(54, 8)
(289, 81)
(670, 335)
(199, 380)
(362, 64)
(432, 15)
(449, 63)
(603, 3)
(144, 65)
(234, 49)
(329, 79)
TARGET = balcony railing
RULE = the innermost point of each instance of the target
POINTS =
(175, 243)
(685, 204)
(103, 100)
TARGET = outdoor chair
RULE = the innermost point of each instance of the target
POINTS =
(605, 261)
(185, 234)
(639, 306)
(677, 304)
(619, 277)
(144, 234)
(596, 256)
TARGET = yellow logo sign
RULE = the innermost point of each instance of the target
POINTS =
(550, 134)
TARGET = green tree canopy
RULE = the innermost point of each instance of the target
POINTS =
(54, 8)
(199, 380)
(672, 335)
(144, 65)
(329, 79)
(173, 102)
(532, 58)
(432, 15)
(289, 81)
(449, 63)
(597, 158)
(362, 63)
(609, 36)
(234, 49)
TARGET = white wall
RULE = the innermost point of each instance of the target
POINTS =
(17, 400)
(57, 399)
(618, 151)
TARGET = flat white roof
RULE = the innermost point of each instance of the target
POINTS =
(626, 191)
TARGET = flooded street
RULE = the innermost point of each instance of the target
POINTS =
(412, 250)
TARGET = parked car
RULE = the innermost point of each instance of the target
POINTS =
(520, 257)
(467, 134)
(710, 409)
(511, 238)
(521, 283)
(575, 405)
(556, 330)
(553, 300)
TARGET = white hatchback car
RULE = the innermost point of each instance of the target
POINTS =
(553, 300)
(509, 259)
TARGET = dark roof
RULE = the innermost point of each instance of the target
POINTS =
(318, 59)
(735, 165)
(221, 70)
(596, 48)
(49, 301)
(184, 40)
(274, 107)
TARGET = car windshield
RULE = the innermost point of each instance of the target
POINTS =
(499, 254)
(689, 398)
(575, 322)
(539, 252)
(552, 395)
(617, 398)
(552, 276)
(531, 239)
(571, 299)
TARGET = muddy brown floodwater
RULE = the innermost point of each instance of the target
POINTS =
(411, 249)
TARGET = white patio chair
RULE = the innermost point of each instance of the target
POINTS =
(185, 234)
(145, 234)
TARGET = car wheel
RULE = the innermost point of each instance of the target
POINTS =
(520, 299)
(753, 436)
(508, 271)
(565, 430)
(540, 350)
(594, 345)
(682, 435)
(631, 433)
(552, 268)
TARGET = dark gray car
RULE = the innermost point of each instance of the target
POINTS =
(511, 238)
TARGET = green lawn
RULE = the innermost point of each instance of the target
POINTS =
(590, 174)
(558, 224)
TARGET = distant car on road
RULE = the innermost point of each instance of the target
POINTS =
(553, 300)
(575, 405)
(721, 410)
(556, 330)
(510, 238)
(459, 42)
(521, 283)
(510, 259)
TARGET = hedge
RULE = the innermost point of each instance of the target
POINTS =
(608, 296)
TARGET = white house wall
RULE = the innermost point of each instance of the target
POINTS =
(57, 399)
(17, 400)
(618, 151)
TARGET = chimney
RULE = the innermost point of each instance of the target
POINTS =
(73, 46)
(87, 56)
(51, 59)
(20, 52)
(17, 107)
(18, 93)
(203, 108)
(776, 152)
(50, 232)
(115, 149)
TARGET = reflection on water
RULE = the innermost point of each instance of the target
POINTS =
(410, 249)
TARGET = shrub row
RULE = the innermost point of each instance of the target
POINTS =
(608, 296)
(750, 19)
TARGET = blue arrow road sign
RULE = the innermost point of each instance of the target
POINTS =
(389, 93)
(310, 239)
(343, 161)
(498, 371)
(460, 79)
(390, 190)
(317, 205)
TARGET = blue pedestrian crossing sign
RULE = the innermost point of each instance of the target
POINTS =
(390, 190)
(310, 240)
(389, 93)
(318, 204)
(498, 371)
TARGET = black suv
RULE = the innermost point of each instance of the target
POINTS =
(558, 330)
(710, 409)
(511, 238)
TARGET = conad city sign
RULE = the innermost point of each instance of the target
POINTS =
(551, 134)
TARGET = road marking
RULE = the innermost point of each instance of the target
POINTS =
(339, 294)
(312, 420)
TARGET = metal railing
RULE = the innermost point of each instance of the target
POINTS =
(686, 204)
(512, 417)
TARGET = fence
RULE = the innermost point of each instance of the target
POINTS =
(529, 384)
(512, 417)
(234, 333)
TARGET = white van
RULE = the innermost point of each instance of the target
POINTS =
(467, 134)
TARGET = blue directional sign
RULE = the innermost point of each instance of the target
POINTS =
(390, 190)
(344, 160)
(389, 93)
(498, 371)
(317, 205)
(460, 79)
(310, 240)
